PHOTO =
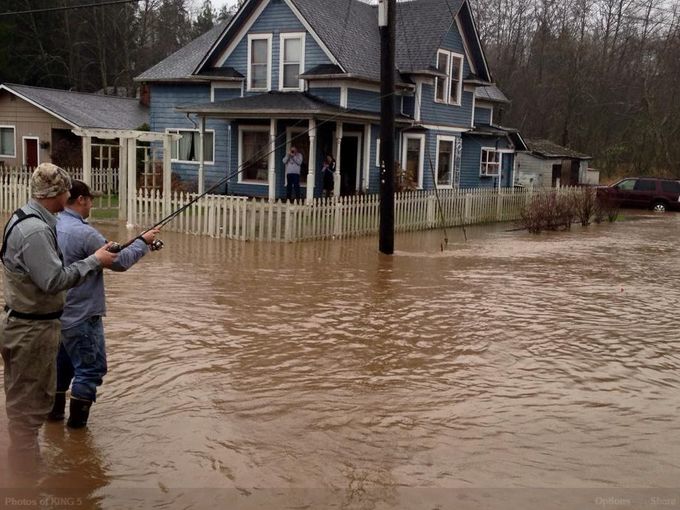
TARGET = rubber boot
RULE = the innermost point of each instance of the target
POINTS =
(57, 412)
(79, 411)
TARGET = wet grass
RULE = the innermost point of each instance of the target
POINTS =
(102, 210)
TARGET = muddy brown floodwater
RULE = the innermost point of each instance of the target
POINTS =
(511, 371)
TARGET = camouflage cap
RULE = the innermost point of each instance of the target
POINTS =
(49, 180)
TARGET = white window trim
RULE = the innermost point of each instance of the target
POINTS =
(291, 35)
(183, 162)
(447, 84)
(14, 137)
(377, 152)
(23, 148)
(260, 37)
(243, 129)
(421, 163)
(290, 132)
(500, 161)
(452, 139)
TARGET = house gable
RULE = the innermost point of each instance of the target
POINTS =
(274, 17)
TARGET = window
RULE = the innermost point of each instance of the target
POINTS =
(7, 145)
(412, 158)
(491, 162)
(445, 163)
(449, 89)
(377, 153)
(292, 61)
(259, 70)
(645, 185)
(254, 154)
(670, 186)
(626, 185)
(185, 150)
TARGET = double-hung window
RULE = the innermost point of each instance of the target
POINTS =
(292, 60)
(413, 157)
(449, 88)
(259, 62)
(253, 150)
(7, 141)
(185, 150)
(491, 162)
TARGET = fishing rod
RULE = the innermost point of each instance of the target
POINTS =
(157, 244)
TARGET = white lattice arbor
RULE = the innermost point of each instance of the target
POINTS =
(128, 139)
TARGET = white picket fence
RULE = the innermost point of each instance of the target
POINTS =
(104, 180)
(261, 220)
(251, 219)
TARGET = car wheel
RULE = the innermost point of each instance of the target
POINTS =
(659, 206)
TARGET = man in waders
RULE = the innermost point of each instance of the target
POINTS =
(82, 353)
(34, 288)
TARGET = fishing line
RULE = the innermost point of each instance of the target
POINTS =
(164, 221)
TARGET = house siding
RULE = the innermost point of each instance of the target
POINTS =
(482, 116)
(224, 94)
(446, 114)
(365, 100)
(471, 162)
(27, 120)
(328, 94)
(164, 100)
(276, 18)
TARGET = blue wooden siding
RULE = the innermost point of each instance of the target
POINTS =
(453, 41)
(275, 19)
(482, 115)
(365, 100)
(328, 94)
(472, 158)
(445, 114)
(162, 116)
(226, 94)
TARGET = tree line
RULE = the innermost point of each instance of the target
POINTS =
(95, 48)
(601, 76)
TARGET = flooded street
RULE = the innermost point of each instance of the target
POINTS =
(513, 371)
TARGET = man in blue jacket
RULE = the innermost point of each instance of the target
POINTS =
(82, 354)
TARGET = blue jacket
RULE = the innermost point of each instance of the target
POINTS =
(77, 240)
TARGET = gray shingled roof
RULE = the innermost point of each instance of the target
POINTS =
(547, 149)
(491, 93)
(86, 110)
(276, 103)
(181, 64)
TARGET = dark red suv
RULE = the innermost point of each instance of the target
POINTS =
(648, 192)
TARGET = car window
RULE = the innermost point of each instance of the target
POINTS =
(670, 186)
(626, 185)
(645, 185)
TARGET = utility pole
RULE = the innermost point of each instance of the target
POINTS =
(387, 10)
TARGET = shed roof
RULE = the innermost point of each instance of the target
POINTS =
(548, 150)
(81, 109)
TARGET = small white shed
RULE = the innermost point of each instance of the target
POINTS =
(547, 164)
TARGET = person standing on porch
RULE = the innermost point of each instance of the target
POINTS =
(328, 175)
(35, 282)
(293, 165)
(82, 352)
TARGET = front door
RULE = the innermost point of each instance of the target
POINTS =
(31, 152)
(349, 164)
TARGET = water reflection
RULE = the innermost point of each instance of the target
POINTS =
(325, 375)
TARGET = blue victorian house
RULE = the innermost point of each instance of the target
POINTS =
(307, 72)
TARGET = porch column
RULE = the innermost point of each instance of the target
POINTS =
(338, 145)
(167, 173)
(311, 164)
(367, 157)
(132, 182)
(272, 160)
(87, 160)
(122, 177)
(201, 156)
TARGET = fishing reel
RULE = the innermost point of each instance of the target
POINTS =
(155, 245)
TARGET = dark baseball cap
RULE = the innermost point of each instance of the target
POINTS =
(80, 189)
